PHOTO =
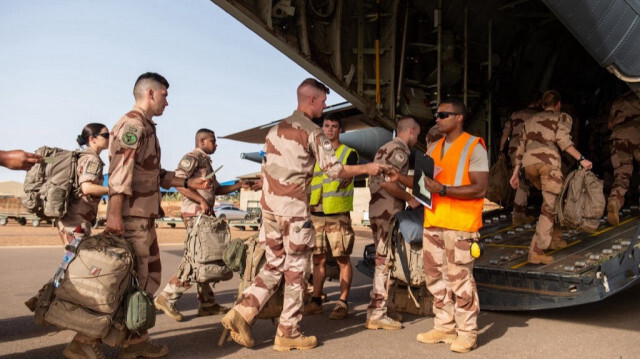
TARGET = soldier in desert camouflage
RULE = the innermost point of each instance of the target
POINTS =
(292, 148)
(511, 131)
(624, 122)
(541, 140)
(135, 178)
(387, 199)
(195, 164)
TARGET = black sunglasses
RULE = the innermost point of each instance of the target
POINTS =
(105, 135)
(443, 114)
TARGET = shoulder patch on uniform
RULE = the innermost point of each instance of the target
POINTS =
(400, 157)
(187, 163)
(92, 168)
(130, 136)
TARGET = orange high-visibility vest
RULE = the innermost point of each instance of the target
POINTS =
(447, 212)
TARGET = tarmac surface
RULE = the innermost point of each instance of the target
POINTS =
(608, 329)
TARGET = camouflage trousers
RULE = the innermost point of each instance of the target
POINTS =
(522, 192)
(448, 268)
(333, 233)
(181, 282)
(288, 245)
(623, 152)
(549, 180)
(66, 233)
(141, 233)
(377, 308)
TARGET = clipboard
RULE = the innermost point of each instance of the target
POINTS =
(423, 166)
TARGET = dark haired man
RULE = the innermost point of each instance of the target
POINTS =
(195, 164)
(541, 140)
(135, 178)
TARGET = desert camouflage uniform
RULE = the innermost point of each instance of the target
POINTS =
(541, 140)
(513, 127)
(292, 149)
(448, 268)
(134, 171)
(82, 209)
(625, 142)
(382, 207)
(194, 164)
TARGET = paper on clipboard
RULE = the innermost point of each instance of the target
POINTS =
(424, 166)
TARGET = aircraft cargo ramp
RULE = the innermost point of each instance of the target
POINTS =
(592, 267)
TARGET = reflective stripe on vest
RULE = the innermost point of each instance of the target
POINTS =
(334, 198)
(454, 213)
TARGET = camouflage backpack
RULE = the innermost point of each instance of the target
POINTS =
(500, 190)
(581, 202)
(207, 238)
(48, 186)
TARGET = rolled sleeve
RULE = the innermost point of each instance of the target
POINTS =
(121, 171)
(166, 178)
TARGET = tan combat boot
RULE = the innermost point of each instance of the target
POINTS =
(340, 311)
(79, 350)
(384, 323)
(518, 219)
(215, 309)
(535, 258)
(558, 244)
(239, 329)
(147, 349)
(435, 336)
(464, 344)
(394, 314)
(300, 342)
(168, 308)
(311, 308)
(613, 210)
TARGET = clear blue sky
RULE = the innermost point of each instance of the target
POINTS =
(64, 64)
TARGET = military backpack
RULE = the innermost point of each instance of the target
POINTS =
(500, 190)
(207, 238)
(48, 186)
(581, 202)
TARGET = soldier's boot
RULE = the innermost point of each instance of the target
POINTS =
(435, 336)
(31, 303)
(464, 344)
(312, 308)
(340, 311)
(300, 342)
(384, 323)
(168, 308)
(147, 349)
(79, 350)
(239, 329)
(535, 258)
(558, 244)
(215, 309)
(613, 210)
(519, 218)
(394, 314)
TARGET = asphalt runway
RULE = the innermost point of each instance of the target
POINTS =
(608, 329)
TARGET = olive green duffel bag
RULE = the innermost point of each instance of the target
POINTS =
(140, 311)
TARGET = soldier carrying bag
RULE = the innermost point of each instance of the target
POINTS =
(207, 238)
(581, 202)
(48, 186)
(500, 190)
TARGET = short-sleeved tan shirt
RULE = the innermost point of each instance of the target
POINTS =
(543, 137)
(84, 208)
(382, 204)
(292, 149)
(134, 165)
(514, 125)
(196, 164)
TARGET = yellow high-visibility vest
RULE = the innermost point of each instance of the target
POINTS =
(334, 198)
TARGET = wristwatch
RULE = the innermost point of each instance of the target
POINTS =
(186, 183)
(581, 158)
(443, 191)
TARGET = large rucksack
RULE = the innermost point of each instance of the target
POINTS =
(207, 238)
(499, 190)
(581, 202)
(90, 290)
(48, 186)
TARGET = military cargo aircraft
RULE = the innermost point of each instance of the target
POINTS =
(399, 58)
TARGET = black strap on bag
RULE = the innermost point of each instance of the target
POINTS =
(400, 243)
